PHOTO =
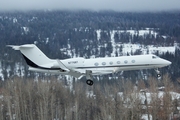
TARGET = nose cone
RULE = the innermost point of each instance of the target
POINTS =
(161, 62)
(166, 62)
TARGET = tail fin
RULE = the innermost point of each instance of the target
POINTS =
(32, 54)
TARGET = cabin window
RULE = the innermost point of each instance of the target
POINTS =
(96, 64)
(118, 62)
(103, 63)
(133, 61)
(111, 63)
(125, 61)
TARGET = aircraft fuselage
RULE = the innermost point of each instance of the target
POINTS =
(109, 65)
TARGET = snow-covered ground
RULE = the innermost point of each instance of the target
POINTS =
(145, 117)
(25, 29)
(132, 48)
(1, 74)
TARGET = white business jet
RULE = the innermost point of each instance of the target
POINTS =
(79, 67)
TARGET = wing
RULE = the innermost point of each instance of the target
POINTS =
(71, 72)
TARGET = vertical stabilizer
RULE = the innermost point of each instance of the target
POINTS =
(32, 54)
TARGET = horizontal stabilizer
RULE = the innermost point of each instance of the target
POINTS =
(15, 47)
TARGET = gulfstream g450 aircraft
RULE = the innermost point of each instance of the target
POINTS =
(78, 67)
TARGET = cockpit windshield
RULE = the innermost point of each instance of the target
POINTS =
(154, 57)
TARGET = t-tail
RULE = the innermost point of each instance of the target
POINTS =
(33, 55)
(38, 61)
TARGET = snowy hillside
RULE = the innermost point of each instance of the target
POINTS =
(119, 49)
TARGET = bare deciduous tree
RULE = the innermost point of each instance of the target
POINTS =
(49, 99)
